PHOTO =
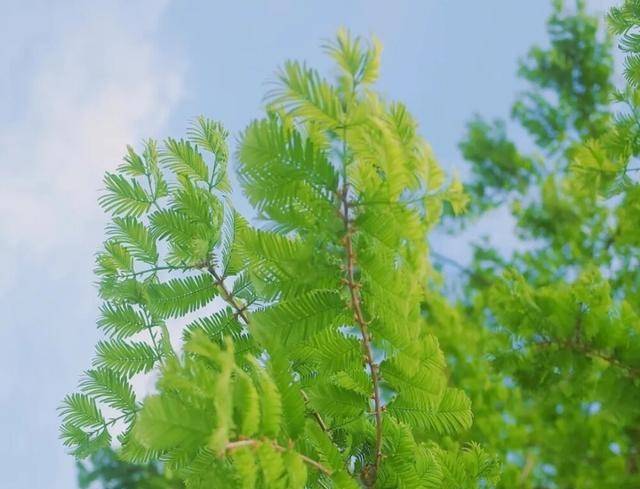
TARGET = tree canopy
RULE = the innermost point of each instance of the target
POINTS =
(321, 342)
(552, 350)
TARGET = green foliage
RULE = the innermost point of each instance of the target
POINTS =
(570, 81)
(624, 21)
(180, 296)
(550, 354)
(306, 360)
(497, 166)
(318, 348)
(125, 358)
(567, 98)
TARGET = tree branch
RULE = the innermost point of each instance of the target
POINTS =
(240, 310)
(153, 270)
(356, 307)
(315, 414)
(579, 347)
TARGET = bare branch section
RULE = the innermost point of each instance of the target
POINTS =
(356, 306)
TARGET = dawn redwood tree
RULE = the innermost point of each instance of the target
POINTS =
(307, 352)
(304, 359)
(551, 357)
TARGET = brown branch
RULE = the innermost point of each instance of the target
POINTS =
(356, 306)
(252, 443)
(241, 311)
(632, 372)
(579, 347)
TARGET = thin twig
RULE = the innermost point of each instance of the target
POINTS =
(228, 296)
(315, 414)
(111, 422)
(153, 270)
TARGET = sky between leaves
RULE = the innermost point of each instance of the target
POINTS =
(80, 80)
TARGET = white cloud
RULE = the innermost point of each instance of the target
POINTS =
(88, 79)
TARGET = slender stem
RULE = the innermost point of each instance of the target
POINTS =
(112, 421)
(240, 310)
(149, 328)
(315, 414)
(152, 191)
(356, 307)
(250, 442)
(153, 270)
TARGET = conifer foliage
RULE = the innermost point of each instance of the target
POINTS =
(304, 358)
(551, 357)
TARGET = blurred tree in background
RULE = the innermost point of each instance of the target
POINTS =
(552, 361)
(104, 469)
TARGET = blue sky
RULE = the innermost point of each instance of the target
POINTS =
(80, 80)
